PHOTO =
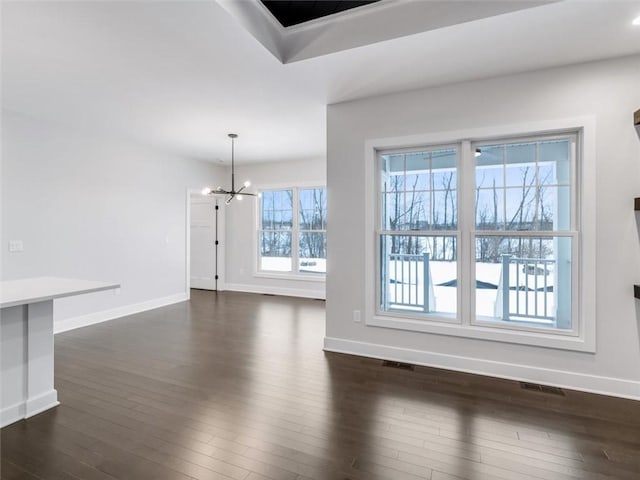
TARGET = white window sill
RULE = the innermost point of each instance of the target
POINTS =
(305, 277)
(537, 339)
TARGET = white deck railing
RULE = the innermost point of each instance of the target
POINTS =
(410, 285)
(525, 290)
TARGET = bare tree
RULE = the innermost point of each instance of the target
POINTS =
(406, 210)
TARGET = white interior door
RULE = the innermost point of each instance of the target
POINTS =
(204, 247)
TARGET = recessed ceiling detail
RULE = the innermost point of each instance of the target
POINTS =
(295, 12)
(364, 23)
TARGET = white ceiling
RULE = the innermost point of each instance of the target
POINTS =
(181, 75)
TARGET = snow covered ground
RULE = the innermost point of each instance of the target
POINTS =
(406, 287)
(406, 291)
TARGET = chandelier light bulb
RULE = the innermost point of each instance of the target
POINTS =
(206, 191)
(247, 184)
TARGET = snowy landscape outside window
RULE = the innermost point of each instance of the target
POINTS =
(292, 236)
(419, 239)
(521, 238)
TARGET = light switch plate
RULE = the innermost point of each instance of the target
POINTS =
(16, 246)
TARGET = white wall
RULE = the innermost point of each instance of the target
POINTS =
(241, 227)
(93, 207)
(606, 90)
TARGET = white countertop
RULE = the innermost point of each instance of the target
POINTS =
(39, 289)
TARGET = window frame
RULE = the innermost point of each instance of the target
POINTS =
(582, 337)
(294, 273)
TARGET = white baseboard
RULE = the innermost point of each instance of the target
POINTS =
(12, 414)
(42, 402)
(270, 290)
(33, 406)
(616, 387)
(111, 314)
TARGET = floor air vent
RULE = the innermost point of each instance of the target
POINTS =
(399, 365)
(542, 388)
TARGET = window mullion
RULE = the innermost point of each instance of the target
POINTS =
(575, 192)
(466, 223)
(295, 263)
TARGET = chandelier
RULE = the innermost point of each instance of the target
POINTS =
(233, 193)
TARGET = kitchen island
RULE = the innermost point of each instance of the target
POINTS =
(26, 342)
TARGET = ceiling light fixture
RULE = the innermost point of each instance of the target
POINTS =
(233, 193)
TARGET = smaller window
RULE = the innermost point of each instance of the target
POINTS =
(292, 230)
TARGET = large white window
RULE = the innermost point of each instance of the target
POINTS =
(292, 230)
(494, 221)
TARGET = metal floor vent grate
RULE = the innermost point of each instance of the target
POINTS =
(399, 365)
(541, 388)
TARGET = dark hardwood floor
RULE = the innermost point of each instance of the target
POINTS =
(236, 386)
